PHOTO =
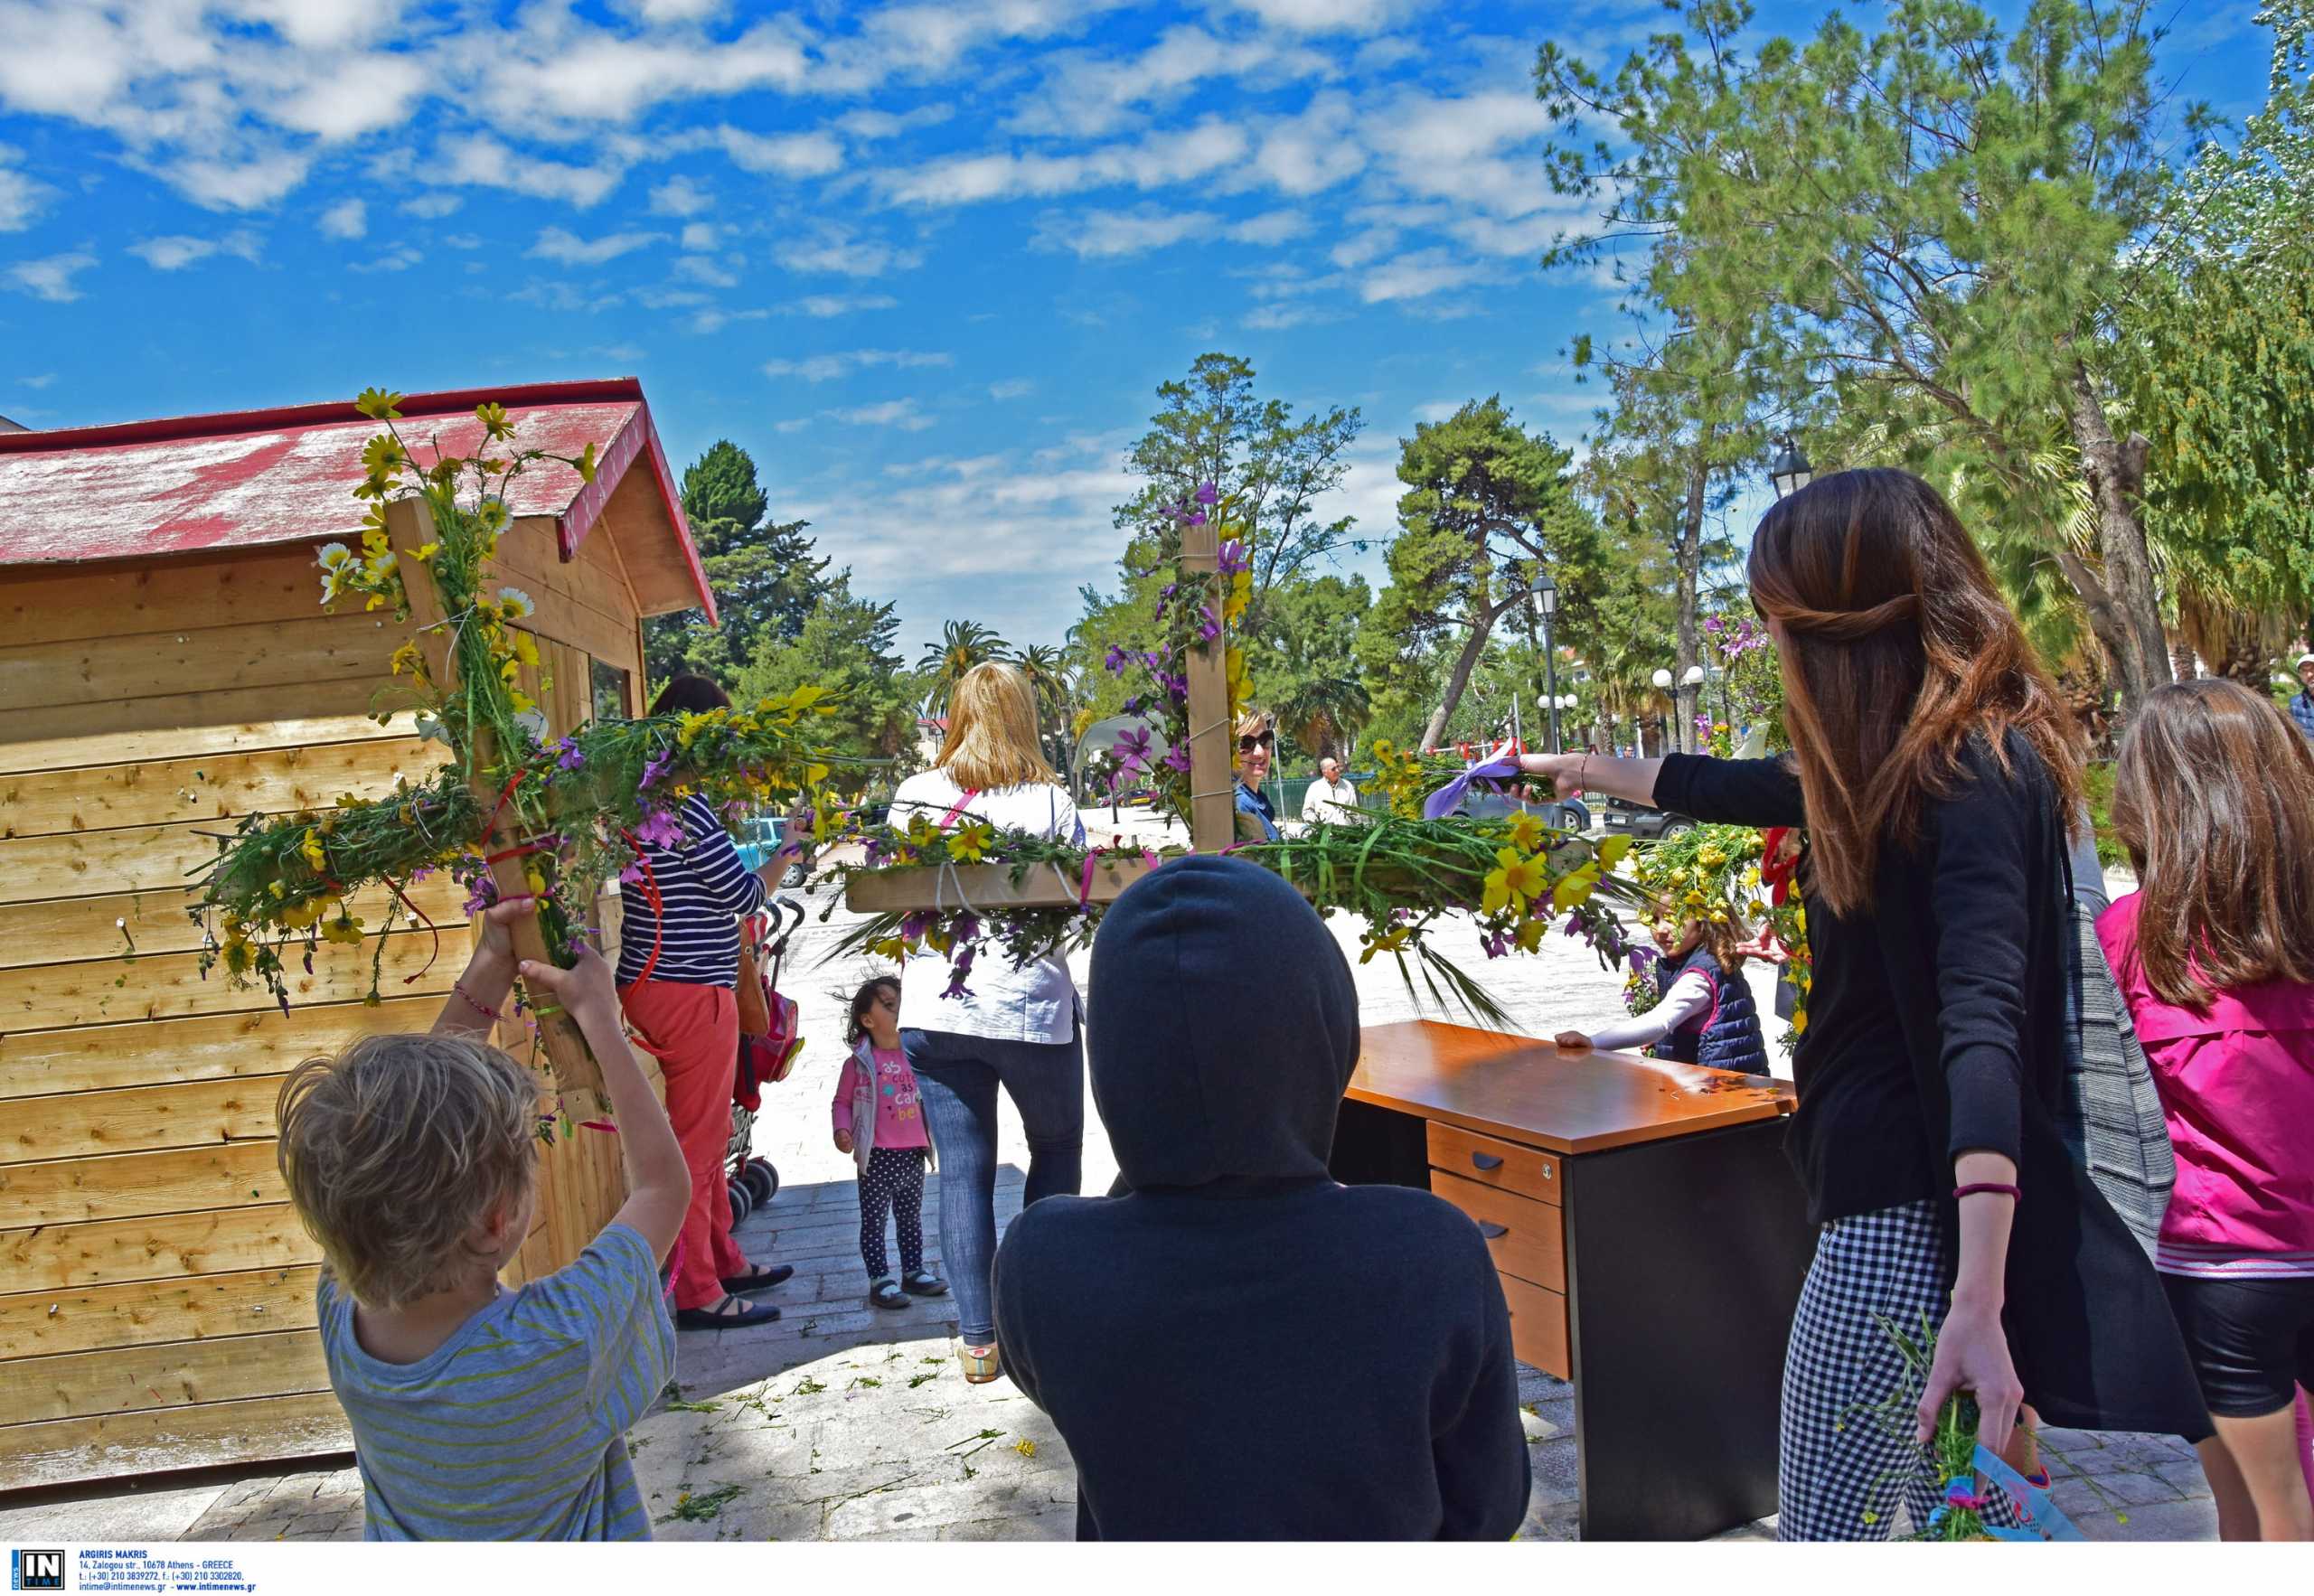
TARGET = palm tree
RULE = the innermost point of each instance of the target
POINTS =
(963, 644)
(1046, 669)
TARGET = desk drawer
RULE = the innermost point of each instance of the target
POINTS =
(1528, 1238)
(1529, 1171)
(1537, 1327)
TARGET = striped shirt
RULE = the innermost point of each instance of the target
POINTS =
(514, 1429)
(2221, 1263)
(704, 887)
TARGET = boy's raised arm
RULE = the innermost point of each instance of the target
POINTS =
(658, 1181)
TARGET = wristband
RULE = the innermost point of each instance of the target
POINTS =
(474, 1003)
(2011, 1192)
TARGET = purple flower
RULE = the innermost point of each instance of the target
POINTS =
(1495, 945)
(1233, 558)
(1195, 518)
(915, 923)
(658, 765)
(1574, 927)
(1177, 688)
(1209, 625)
(1170, 588)
(481, 895)
(960, 968)
(659, 827)
(1177, 758)
(569, 757)
(1640, 958)
(1208, 493)
(1132, 750)
(633, 874)
(1117, 659)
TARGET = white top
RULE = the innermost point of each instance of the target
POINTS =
(1324, 797)
(1690, 996)
(1036, 1002)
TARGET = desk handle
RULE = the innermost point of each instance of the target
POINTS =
(1490, 1229)
(1486, 1161)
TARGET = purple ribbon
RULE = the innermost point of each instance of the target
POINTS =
(1495, 767)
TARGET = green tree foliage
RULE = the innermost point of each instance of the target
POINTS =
(763, 575)
(1215, 428)
(1488, 506)
(845, 644)
(1934, 217)
(1305, 672)
(963, 644)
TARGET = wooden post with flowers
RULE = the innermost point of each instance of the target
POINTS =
(409, 532)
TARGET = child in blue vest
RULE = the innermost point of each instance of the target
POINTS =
(1704, 1012)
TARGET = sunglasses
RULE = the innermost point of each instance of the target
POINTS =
(1247, 744)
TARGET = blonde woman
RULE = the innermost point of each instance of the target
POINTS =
(1256, 746)
(1016, 1027)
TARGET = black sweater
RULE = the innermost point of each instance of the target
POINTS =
(1241, 1349)
(1935, 1027)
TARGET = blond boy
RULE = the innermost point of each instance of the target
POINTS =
(481, 1414)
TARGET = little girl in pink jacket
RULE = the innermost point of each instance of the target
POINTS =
(879, 1121)
(2215, 956)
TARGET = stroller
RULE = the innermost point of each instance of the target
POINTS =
(768, 1044)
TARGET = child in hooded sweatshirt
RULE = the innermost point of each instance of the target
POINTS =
(2214, 955)
(879, 1121)
(1240, 1348)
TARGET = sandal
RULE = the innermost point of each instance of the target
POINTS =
(718, 1319)
(758, 1279)
(980, 1364)
(887, 1293)
(925, 1283)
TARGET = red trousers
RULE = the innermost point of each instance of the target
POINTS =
(693, 1032)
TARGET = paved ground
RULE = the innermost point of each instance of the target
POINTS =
(843, 1422)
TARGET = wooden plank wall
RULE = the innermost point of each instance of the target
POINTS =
(155, 1287)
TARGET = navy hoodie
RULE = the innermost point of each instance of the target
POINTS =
(1239, 1348)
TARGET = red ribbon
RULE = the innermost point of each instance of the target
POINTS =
(658, 909)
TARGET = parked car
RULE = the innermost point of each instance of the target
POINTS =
(1565, 814)
(759, 839)
(1644, 821)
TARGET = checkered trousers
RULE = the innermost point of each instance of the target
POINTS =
(1841, 1469)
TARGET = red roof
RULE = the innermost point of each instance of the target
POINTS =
(251, 478)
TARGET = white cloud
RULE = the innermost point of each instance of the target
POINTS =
(1276, 318)
(1156, 161)
(698, 235)
(351, 95)
(1415, 275)
(348, 219)
(464, 240)
(1107, 235)
(247, 185)
(431, 207)
(820, 368)
(680, 196)
(698, 268)
(1480, 150)
(867, 126)
(556, 243)
(1271, 227)
(483, 161)
(1313, 150)
(833, 247)
(552, 69)
(714, 319)
(51, 279)
(175, 252)
(36, 383)
(1329, 16)
(1012, 388)
(21, 197)
(901, 413)
(823, 306)
(400, 257)
(787, 155)
(1085, 94)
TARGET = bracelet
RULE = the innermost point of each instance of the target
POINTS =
(1582, 775)
(474, 1003)
(2011, 1192)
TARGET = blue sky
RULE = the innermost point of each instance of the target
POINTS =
(927, 262)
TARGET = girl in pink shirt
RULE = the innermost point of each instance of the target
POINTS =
(879, 1121)
(2214, 955)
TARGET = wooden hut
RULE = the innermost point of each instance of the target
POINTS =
(164, 666)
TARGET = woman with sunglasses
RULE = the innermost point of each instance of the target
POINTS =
(1256, 741)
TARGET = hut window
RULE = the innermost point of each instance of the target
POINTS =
(612, 699)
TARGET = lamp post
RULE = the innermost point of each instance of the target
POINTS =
(1789, 472)
(1545, 598)
(1662, 680)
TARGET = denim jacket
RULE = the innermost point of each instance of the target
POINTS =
(1252, 803)
(2301, 710)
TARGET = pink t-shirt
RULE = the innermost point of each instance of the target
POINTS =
(2237, 1094)
(900, 1110)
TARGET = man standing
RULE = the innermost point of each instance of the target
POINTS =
(1329, 798)
(2301, 706)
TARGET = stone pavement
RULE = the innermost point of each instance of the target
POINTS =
(842, 1421)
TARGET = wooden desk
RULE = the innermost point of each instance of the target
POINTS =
(1651, 1240)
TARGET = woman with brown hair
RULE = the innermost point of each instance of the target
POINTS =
(1000, 1025)
(1934, 767)
(2214, 955)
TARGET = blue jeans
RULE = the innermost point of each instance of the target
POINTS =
(958, 1076)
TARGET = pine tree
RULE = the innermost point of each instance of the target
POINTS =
(765, 576)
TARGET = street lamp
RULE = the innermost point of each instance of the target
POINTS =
(1545, 598)
(1790, 471)
(1662, 680)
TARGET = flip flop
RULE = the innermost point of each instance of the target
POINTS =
(714, 1318)
(759, 1279)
